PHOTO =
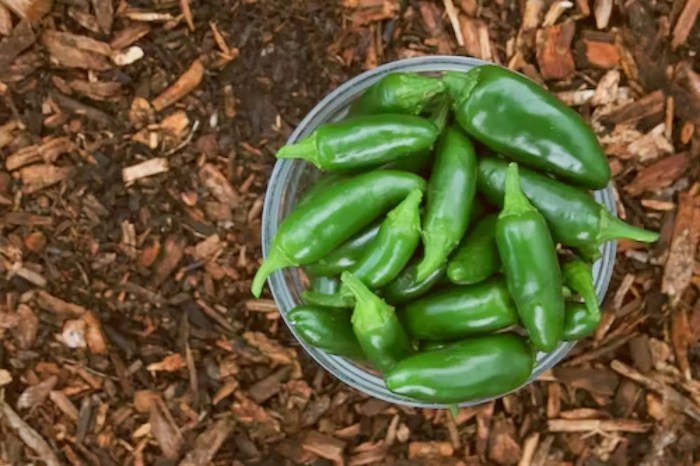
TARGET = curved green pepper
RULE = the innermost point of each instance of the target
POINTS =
(363, 142)
(464, 371)
(477, 257)
(396, 242)
(335, 299)
(378, 331)
(405, 287)
(339, 212)
(513, 115)
(451, 191)
(346, 255)
(398, 93)
(578, 276)
(326, 181)
(328, 329)
(574, 217)
(579, 322)
(530, 266)
(433, 345)
(460, 312)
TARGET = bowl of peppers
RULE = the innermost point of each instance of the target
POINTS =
(439, 231)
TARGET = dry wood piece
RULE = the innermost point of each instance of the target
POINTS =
(104, 10)
(21, 38)
(129, 35)
(28, 435)
(658, 175)
(25, 218)
(454, 20)
(173, 250)
(601, 54)
(30, 10)
(602, 9)
(185, 84)
(554, 51)
(597, 381)
(62, 308)
(64, 404)
(503, 446)
(670, 395)
(48, 151)
(476, 38)
(5, 21)
(261, 305)
(97, 90)
(74, 51)
(79, 108)
(217, 184)
(5, 377)
(429, 449)
(529, 448)
(324, 446)
(649, 105)
(685, 23)
(601, 425)
(607, 90)
(208, 443)
(678, 270)
(367, 11)
(36, 394)
(270, 348)
(681, 339)
(41, 176)
(555, 11)
(150, 167)
(165, 430)
(7, 132)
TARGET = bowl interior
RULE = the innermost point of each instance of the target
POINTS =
(290, 179)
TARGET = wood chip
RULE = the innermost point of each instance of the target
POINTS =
(25, 218)
(607, 89)
(5, 20)
(649, 105)
(185, 84)
(529, 448)
(476, 38)
(129, 35)
(104, 11)
(36, 394)
(503, 447)
(41, 176)
(600, 425)
(670, 395)
(597, 381)
(30, 10)
(324, 446)
(208, 443)
(150, 167)
(74, 51)
(681, 339)
(173, 251)
(454, 20)
(555, 11)
(602, 9)
(21, 38)
(48, 151)
(5, 377)
(270, 348)
(29, 436)
(678, 270)
(429, 449)
(554, 51)
(64, 404)
(165, 430)
(601, 54)
(658, 175)
(685, 23)
(216, 183)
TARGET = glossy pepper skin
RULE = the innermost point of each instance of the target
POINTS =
(396, 242)
(515, 116)
(334, 299)
(346, 255)
(460, 312)
(336, 214)
(405, 287)
(363, 142)
(574, 217)
(530, 266)
(379, 333)
(406, 93)
(451, 191)
(463, 371)
(578, 276)
(579, 322)
(326, 181)
(328, 329)
(477, 258)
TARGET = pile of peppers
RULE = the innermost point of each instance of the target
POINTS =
(455, 225)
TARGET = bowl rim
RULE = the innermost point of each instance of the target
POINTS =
(339, 367)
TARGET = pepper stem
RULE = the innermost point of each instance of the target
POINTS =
(460, 85)
(614, 228)
(370, 310)
(514, 201)
(417, 89)
(440, 114)
(276, 260)
(306, 149)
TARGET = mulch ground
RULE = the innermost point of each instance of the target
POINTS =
(136, 140)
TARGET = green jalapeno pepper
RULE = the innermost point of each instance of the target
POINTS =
(405, 93)
(578, 276)
(326, 181)
(328, 329)
(335, 299)
(346, 255)
(574, 217)
(578, 321)
(460, 312)
(433, 345)
(513, 115)
(363, 142)
(406, 287)
(477, 258)
(378, 331)
(396, 242)
(451, 191)
(530, 265)
(337, 213)
(466, 370)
